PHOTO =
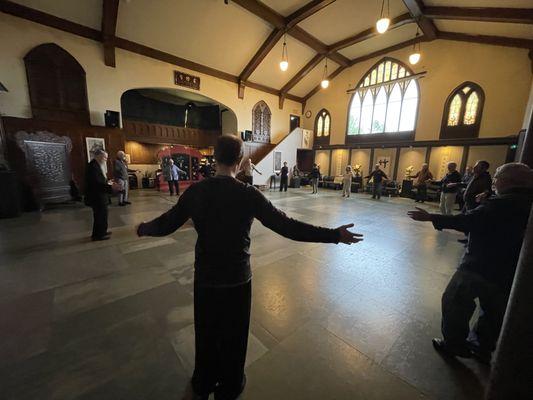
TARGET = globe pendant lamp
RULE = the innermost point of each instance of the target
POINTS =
(325, 81)
(384, 21)
(414, 57)
(284, 63)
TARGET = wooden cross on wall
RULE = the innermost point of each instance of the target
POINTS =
(383, 162)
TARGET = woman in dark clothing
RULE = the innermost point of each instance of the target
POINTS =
(315, 176)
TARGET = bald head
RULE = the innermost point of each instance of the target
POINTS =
(121, 155)
(513, 176)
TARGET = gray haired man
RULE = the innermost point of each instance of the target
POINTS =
(120, 173)
(487, 269)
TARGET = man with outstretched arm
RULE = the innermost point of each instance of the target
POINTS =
(487, 269)
(223, 209)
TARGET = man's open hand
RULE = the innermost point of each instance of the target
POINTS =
(347, 237)
(419, 215)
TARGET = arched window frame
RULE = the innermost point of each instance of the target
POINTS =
(261, 117)
(57, 84)
(389, 86)
(461, 130)
(321, 135)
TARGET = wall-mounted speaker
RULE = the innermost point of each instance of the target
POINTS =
(112, 119)
(247, 136)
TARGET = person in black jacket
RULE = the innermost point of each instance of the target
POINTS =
(97, 191)
(223, 209)
(315, 176)
(284, 182)
(449, 188)
(487, 269)
(479, 186)
(377, 177)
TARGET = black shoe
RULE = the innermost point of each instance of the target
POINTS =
(108, 233)
(121, 204)
(99, 238)
(482, 355)
(126, 202)
(441, 346)
(463, 241)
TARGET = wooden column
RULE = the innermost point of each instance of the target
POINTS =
(371, 164)
(464, 159)
(330, 159)
(396, 162)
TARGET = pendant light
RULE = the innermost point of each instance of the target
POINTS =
(284, 63)
(384, 19)
(414, 57)
(325, 81)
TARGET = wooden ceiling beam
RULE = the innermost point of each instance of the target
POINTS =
(318, 87)
(492, 14)
(369, 33)
(262, 11)
(416, 9)
(306, 11)
(302, 73)
(487, 39)
(260, 55)
(109, 28)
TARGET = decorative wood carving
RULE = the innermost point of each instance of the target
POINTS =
(48, 164)
(186, 80)
(261, 117)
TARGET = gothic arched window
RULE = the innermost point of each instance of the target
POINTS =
(462, 112)
(322, 126)
(384, 101)
(261, 116)
(57, 85)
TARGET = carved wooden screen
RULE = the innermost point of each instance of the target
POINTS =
(57, 85)
(261, 116)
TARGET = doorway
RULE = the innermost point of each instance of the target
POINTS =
(295, 122)
(304, 160)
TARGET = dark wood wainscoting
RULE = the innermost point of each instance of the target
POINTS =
(114, 141)
(146, 132)
(256, 150)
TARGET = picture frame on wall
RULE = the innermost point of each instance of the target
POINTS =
(277, 161)
(93, 144)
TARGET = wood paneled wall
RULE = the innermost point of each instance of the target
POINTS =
(147, 132)
(142, 153)
(114, 141)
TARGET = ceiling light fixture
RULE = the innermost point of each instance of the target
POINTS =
(414, 57)
(284, 63)
(384, 19)
(325, 81)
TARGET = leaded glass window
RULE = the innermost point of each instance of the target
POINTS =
(323, 124)
(462, 112)
(386, 101)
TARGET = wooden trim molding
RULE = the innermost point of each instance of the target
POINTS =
(487, 39)
(306, 11)
(491, 14)
(261, 53)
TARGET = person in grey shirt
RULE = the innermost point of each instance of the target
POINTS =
(120, 173)
(171, 173)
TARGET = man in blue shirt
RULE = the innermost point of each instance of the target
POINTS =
(171, 174)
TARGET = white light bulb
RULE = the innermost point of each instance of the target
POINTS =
(324, 83)
(382, 25)
(414, 58)
(284, 65)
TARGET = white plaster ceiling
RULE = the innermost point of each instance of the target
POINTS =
(268, 73)
(486, 28)
(389, 38)
(226, 37)
(84, 12)
(313, 78)
(345, 18)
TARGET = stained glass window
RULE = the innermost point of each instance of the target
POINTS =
(471, 109)
(455, 110)
(387, 106)
(323, 124)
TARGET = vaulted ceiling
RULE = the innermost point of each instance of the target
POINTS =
(241, 40)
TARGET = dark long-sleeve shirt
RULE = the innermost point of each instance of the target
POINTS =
(478, 184)
(97, 190)
(378, 175)
(223, 209)
(120, 170)
(450, 177)
(497, 230)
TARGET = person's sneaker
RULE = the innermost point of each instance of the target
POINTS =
(126, 202)
(108, 233)
(121, 204)
(441, 346)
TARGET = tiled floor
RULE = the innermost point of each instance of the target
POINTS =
(113, 320)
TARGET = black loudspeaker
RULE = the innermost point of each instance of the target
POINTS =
(247, 136)
(112, 119)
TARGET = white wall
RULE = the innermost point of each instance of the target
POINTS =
(105, 85)
(287, 148)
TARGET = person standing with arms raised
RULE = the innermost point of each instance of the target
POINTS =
(223, 209)
(377, 177)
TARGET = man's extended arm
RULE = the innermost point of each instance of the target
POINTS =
(168, 222)
(470, 221)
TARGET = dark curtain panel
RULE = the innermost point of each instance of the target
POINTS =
(140, 108)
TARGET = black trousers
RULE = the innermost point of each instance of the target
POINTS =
(458, 306)
(221, 323)
(284, 183)
(421, 193)
(174, 184)
(99, 220)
